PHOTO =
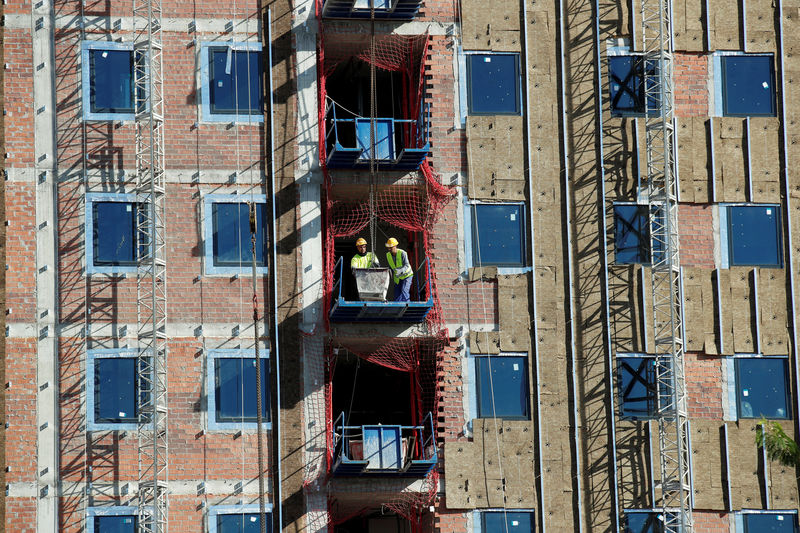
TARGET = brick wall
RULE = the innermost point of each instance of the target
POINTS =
(696, 234)
(703, 385)
(690, 73)
(711, 522)
(448, 521)
(450, 386)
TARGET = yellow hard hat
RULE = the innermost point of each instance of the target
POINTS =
(361, 241)
(391, 242)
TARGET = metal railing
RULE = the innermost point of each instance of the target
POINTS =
(422, 291)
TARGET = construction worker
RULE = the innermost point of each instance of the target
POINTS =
(401, 270)
(363, 259)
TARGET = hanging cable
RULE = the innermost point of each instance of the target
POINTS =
(372, 111)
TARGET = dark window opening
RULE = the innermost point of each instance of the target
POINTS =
(116, 387)
(232, 245)
(498, 235)
(114, 234)
(493, 84)
(507, 521)
(631, 234)
(502, 383)
(242, 523)
(770, 523)
(116, 524)
(762, 387)
(748, 85)
(374, 523)
(111, 81)
(235, 389)
(637, 387)
(642, 523)
(627, 85)
(368, 393)
(235, 81)
(754, 234)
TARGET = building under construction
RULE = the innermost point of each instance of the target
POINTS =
(589, 312)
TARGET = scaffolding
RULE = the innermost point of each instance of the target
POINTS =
(151, 272)
(673, 435)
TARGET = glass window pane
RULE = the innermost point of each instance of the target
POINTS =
(754, 235)
(631, 234)
(770, 523)
(231, 239)
(761, 387)
(637, 386)
(236, 389)
(507, 521)
(115, 387)
(241, 523)
(115, 524)
(114, 233)
(497, 235)
(111, 81)
(642, 523)
(235, 79)
(508, 380)
(748, 85)
(627, 85)
(493, 84)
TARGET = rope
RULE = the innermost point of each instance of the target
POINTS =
(372, 111)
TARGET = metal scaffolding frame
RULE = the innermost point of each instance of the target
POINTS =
(673, 430)
(151, 283)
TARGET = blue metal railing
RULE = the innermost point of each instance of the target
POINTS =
(422, 292)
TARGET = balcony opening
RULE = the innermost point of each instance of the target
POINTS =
(400, 116)
(360, 9)
(375, 522)
(379, 427)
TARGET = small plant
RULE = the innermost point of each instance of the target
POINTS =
(780, 446)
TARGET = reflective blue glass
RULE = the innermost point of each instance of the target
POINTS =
(748, 85)
(631, 234)
(232, 244)
(111, 81)
(384, 138)
(637, 387)
(626, 86)
(241, 523)
(497, 235)
(493, 84)
(754, 234)
(235, 81)
(236, 389)
(762, 388)
(115, 389)
(114, 233)
(507, 522)
(642, 523)
(770, 523)
(115, 524)
(502, 387)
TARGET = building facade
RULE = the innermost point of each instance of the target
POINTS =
(597, 208)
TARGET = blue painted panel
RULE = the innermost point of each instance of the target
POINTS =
(754, 235)
(762, 388)
(384, 138)
(382, 447)
(748, 85)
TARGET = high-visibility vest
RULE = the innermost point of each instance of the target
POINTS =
(396, 263)
(362, 261)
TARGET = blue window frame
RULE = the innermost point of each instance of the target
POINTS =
(627, 85)
(502, 387)
(642, 522)
(113, 389)
(637, 387)
(631, 234)
(748, 85)
(232, 389)
(108, 91)
(507, 521)
(228, 248)
(498, 234)
(237, 519)
(762, 387)
(493, 84)
(767, 522)
(110, 230)
(112, 519)
(231, 85)
(754, 235)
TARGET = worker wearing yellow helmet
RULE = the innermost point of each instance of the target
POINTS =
(363, 259)
(401, 269)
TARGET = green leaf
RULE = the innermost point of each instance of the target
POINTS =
(779, 446)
